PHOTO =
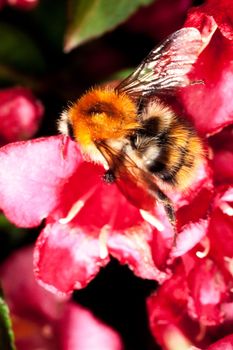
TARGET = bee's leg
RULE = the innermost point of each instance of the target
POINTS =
(109, 176)
(168, 206)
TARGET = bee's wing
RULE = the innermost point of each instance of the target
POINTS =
(137, 185)
(166, 66)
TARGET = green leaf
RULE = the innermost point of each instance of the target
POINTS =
(92, 18)
(14, 232)
(122, 74)
(6, 333)
(18, 50)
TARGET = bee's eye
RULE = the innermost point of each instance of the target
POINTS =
(95, 109)
(101, 107)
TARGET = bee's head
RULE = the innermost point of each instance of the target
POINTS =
(101, 114)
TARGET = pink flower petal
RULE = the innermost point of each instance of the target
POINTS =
(25, 296)
(31, 177)
(189, 236)
(67, 257)
(41, 320)
(80, 330)
(133, 247)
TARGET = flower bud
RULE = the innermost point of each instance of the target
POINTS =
(23, 4)
(20, 114)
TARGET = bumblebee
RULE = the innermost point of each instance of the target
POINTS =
(132, 133)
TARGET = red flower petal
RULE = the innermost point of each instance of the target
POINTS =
(222, 11)
(167, 309)
(221, 231)
(211, 105)
(208, 290)
(222, 146)
(101, 204)
(2, 3)
(67, 257)
(223, 167)
(31, 177)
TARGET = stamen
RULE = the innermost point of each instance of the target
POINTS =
(229, 262)
(226, 209)
(151, 219)
(103, 237)
(104, 232)
(175, 339)
(202, 332)
(206, 245)
(77, 206)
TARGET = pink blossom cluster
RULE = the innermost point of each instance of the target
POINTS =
(42, 320)
(88, 221)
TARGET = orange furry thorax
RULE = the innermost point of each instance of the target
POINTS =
(101, 114)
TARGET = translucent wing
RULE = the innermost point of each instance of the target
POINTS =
(166, 66)
(137, 185)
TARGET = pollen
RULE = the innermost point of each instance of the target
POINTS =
(102, 114)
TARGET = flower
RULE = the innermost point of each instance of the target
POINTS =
(210, 106)
(79, 212)
(20, 114)
(84, 225)
(23, 4)
(2, 3)
(87, 220)
(42, 320)
(194, 306)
